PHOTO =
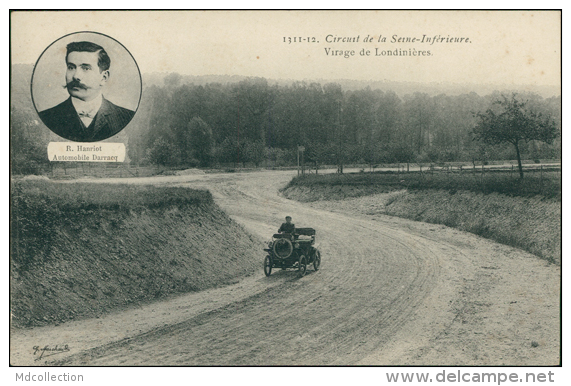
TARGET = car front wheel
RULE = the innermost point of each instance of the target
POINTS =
(268, 266)
(302, 267)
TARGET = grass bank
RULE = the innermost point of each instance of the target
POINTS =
(524, 214)
(81, 250)
(546, 185)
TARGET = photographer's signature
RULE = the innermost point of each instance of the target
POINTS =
(49, 351)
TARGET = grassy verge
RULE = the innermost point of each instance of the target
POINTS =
(528, 223)
(82, 250)
(524, 214)
(546, 185)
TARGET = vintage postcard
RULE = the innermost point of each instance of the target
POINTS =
(286, 188)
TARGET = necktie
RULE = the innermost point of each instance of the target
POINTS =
(86, 117)
(86, 114)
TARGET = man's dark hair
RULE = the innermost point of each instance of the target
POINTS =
(288, 217)
(104, 62)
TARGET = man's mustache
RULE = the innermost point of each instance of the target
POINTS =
(75, 84)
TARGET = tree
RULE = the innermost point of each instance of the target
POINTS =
(373, 154)
(253, 151)
(200, 141)
(510, 120)
(228, 151)
(253, 98)
(163, 152)
(172, 80)
(400, 153)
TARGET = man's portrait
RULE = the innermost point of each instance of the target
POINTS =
(88, 114)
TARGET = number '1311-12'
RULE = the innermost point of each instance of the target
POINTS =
(299, 39)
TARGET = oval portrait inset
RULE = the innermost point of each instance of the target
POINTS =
(86, 87)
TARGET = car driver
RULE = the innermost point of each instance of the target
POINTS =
(287, 227)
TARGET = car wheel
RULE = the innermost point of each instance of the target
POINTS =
(317, 260)
(302, 266)
(268, 266)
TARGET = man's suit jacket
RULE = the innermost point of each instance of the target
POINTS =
(287, 228)
(64, 121)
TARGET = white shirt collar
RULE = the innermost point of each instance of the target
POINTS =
(91, 107)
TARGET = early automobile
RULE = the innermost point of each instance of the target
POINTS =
(296, 251)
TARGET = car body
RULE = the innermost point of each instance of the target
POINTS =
(295, 251)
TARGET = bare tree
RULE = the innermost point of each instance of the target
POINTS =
(510, 120)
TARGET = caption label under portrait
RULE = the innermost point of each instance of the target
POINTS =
(86, 152)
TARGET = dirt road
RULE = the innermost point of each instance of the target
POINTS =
(389, 291)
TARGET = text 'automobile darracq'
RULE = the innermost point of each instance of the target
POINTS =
(296, 251)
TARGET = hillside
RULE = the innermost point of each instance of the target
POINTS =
(79, 250)
(22, 73)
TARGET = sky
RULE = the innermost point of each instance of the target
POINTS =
(505, 47)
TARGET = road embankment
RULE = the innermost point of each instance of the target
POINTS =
(530, 223)
(83, 250)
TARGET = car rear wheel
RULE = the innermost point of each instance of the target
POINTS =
(317, 260)
(302, 267)
(268, 266)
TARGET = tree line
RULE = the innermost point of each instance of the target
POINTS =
(254, 122)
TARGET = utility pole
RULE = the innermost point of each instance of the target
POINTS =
(298, 159)
(300, 149)
(302, 161)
